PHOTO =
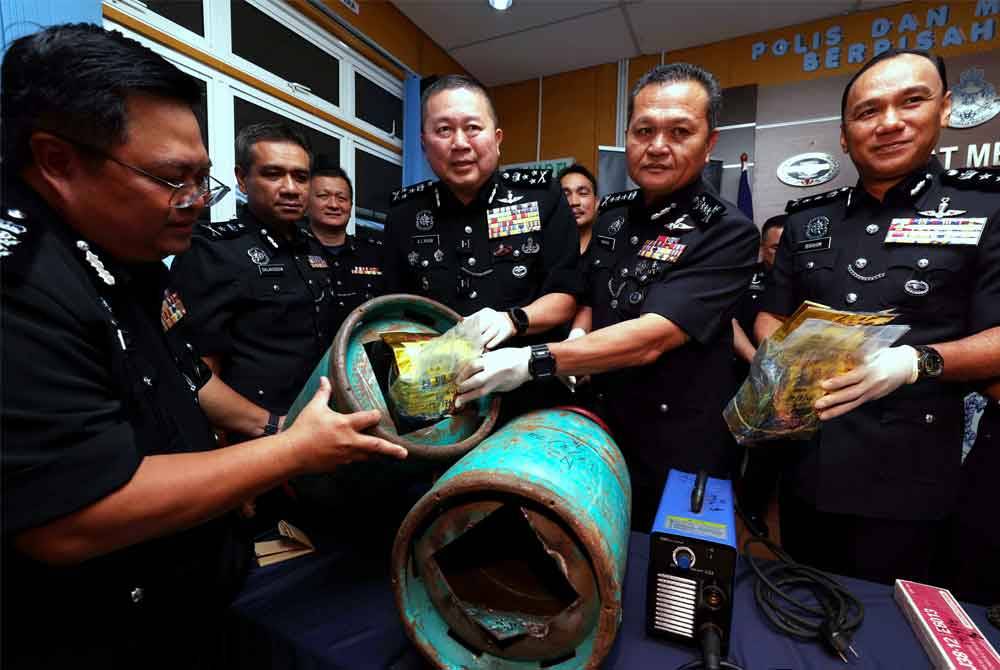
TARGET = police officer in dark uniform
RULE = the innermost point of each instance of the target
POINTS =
(259, 290)
(355, 260)
(749, 305)
(118, 547)
(668, 263)
(867, 495)
(499, 245)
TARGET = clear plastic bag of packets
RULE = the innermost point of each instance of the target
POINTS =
(816, 343)
(422, 384)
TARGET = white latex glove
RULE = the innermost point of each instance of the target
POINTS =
(882, 373)
(501, 370)
(570, 380)
(490, 327)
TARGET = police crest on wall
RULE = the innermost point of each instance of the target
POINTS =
(808, 169)
(974, 100)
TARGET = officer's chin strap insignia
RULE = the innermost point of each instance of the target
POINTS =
(95, 263)
(942, 211)
(915, 191)
(510, 199)
(493, 194)
(437, 198)
(267, 236)
(665, 210)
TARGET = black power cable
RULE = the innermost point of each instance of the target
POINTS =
(710, 638)
(831, 615)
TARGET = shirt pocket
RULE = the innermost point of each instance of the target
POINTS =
(517, 266)
(815, 271)
(925, 281)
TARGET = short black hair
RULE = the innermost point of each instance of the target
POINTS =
(74, 80)
(576, 168)
(774, 222)
(675, 72)
(325, 166)
(886, 55)
(452, 82)
(268, 131)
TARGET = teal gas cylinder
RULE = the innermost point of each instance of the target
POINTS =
(516, 557)
(358, 382)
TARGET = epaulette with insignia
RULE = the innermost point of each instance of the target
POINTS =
(617, 199)
(225, 230)
(406, 192)
(819, 199)
(706, 208)
(523, 177)
(986, 179)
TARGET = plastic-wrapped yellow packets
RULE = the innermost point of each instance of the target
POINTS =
(422, 381)
(816, 343)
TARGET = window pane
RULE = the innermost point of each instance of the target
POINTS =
(187, 13)
(374, 181)
(377, 106)
(269, 44)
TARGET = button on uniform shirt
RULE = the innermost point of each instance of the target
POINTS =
(930, 251)
(262, 303)
(687, 258)
(355, 272)
(516, 241)
(95, 378)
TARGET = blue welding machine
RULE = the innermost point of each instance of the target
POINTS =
(692, 561)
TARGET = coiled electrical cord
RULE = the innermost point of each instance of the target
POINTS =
(832, 615)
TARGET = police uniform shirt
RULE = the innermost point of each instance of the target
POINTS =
(516, 241)
(95, 379)
(688, 258)
(355, 272)
(261, 303)
(930, 251)
(749, 305)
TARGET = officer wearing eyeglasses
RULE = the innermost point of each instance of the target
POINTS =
(119, 546)
(258, 289)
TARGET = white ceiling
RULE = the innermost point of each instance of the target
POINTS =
(541, 37)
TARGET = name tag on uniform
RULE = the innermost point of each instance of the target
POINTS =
(513, 220)
(317, 263)
(606, 242)
(271, 270)
(172, 310)
(427, 240)
(805, 246)
(964, 231)
(365, 270)
(663, 248)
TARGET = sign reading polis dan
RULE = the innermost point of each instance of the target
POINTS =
(808, 169)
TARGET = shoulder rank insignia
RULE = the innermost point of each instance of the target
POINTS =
(11, 230)
(407, 192)
(706, 208)
(617, 200)
(226, 230)
(985, 179)
(819, 199)
(523, 177)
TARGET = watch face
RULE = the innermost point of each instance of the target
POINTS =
(931, 362)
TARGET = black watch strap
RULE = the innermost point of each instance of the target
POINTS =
(271, 428)
(542, 363)
(520, 320)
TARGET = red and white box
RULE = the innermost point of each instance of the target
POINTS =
(950, 638)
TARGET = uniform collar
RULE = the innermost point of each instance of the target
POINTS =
(675, 201)
(269, 234)
(484, 196)
(911, 190)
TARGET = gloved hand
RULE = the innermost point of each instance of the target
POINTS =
(882, 373)
(502, 370)
(570, 380)
(490, 327)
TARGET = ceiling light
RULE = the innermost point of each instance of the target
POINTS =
(500, 5)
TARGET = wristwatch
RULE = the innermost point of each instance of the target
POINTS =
(542, 363)
(520, 320)
(271, 427)
(930, 365)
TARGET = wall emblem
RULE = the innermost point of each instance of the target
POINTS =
(974, 100)
(808, 169)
